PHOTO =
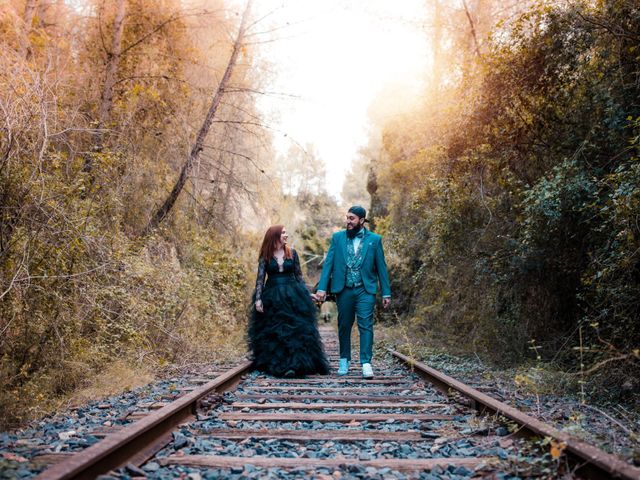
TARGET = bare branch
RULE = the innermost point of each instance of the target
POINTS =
(159, 27)
(246, 157)
(473, 28)
(260, 92)
(166, 207)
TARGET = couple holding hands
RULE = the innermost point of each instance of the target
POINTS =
(283, 334)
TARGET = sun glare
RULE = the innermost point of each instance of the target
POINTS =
(337, 57)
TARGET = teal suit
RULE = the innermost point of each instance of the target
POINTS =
(356, 301)
(373, 268)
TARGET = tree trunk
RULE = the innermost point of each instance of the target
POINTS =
(472, 26)
(166, 207)
(113, 63)
(111, 76)
(25, 43)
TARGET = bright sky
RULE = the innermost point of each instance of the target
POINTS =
(337, 56)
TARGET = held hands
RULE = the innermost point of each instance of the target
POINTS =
(322, 296)
(259, 307)
(316, 300)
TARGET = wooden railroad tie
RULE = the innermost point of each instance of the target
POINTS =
(322, 406)
(363, 388)
(219, 461)
(327, 397)
(331, 417)
(316, 435)
(356, 380)
(348, 377)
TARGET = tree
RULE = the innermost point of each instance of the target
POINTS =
(198, 145)
(301, 171)
(79, 291)
(354, 188)
(111, 71)
(25, 42)
(509, 195)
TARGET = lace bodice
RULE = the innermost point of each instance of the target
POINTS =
(290, 266)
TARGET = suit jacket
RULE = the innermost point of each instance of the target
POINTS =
(373, 269)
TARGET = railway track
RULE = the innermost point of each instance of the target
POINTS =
(409, 422)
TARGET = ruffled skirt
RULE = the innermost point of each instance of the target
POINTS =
(285, 337)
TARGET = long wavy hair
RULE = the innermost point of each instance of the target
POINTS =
(270, 243)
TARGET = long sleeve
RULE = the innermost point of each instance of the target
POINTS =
(262, 271)
(383, 273)
(297, 270)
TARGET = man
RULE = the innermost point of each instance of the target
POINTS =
(354, 264)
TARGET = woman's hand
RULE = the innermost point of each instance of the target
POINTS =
(259, 307)
(316, 300)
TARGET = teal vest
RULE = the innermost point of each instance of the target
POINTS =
(354, 264)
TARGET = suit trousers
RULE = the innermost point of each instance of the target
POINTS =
(356, 302)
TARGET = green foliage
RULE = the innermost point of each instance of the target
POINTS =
(517, 219)
(82, 294)
(91, 296)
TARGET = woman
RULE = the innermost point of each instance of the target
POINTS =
(283, 335)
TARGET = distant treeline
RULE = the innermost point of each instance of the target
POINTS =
(511, 197)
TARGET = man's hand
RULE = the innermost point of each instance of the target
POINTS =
(321, 296)
(386, 301)
(259, 307)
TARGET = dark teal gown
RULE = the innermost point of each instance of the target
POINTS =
(284, 339)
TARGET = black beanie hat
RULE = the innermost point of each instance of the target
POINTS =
(359, 211)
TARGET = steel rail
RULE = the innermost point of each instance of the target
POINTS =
(588, 460)
(140, 440)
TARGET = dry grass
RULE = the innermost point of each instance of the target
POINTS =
(116, 378)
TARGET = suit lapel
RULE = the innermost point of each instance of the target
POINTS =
(344, 248)
(365, 244)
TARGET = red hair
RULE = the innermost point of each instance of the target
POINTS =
(270, 243)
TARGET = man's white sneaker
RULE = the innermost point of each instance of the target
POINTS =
(367, 371)
(343, 366)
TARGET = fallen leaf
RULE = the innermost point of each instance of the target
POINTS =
(557, 448)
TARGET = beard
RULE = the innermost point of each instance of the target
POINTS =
(351, 234)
